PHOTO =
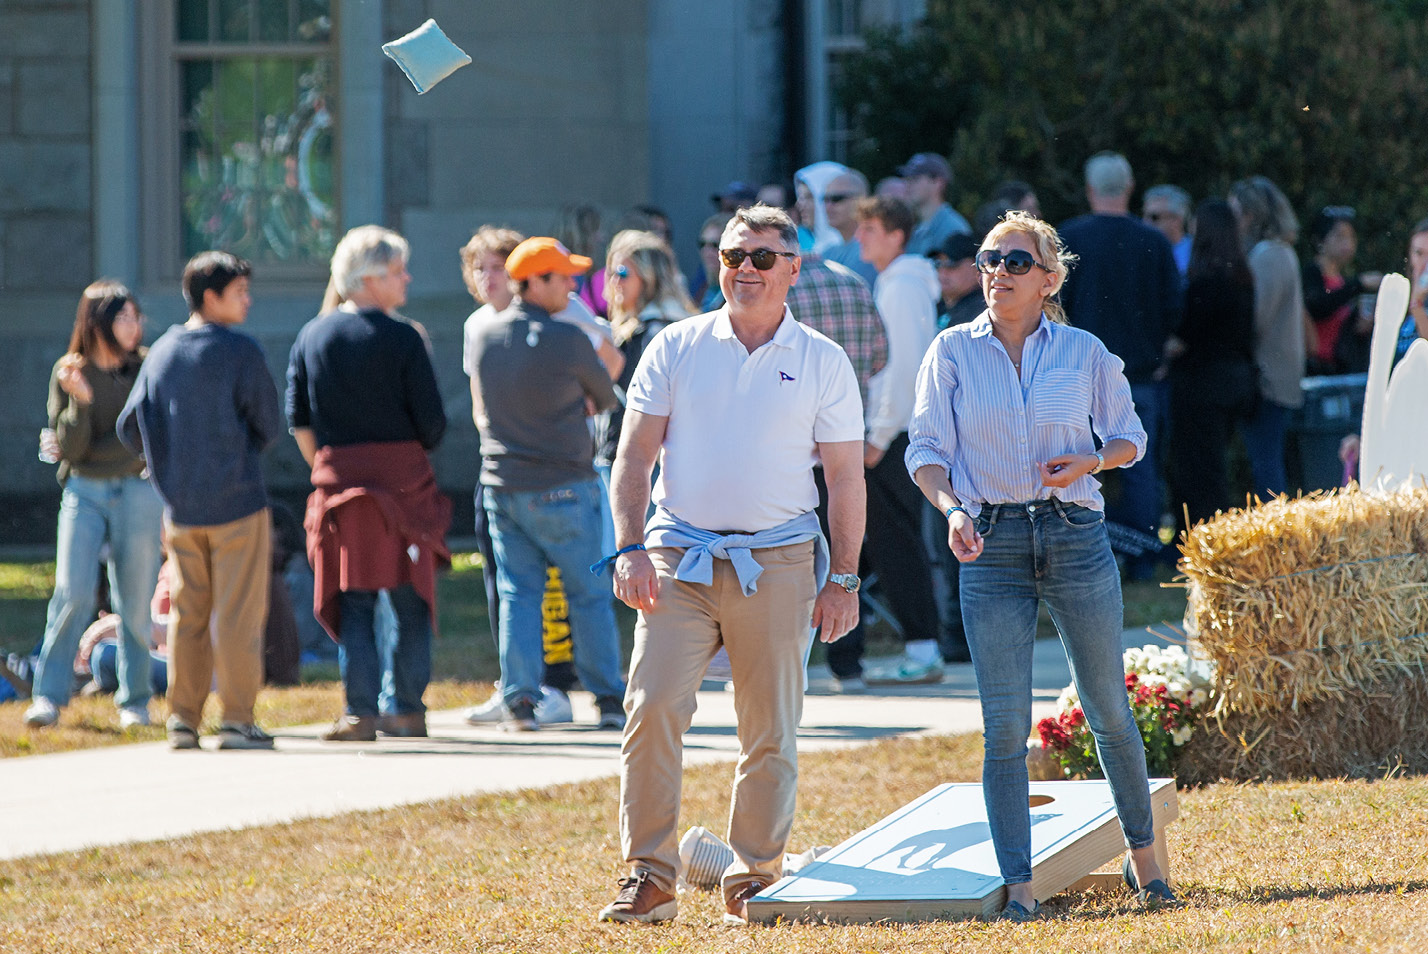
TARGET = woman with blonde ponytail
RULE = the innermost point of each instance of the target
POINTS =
(1003, 441)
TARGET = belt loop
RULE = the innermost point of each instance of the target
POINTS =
(1060, 507)
(996, 513)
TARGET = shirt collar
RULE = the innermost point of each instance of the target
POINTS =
(982, 326)
(784, 336)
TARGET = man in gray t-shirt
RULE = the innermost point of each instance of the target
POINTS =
(536, 380)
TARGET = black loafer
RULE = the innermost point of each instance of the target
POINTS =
(1016, 911)
(1157, 894)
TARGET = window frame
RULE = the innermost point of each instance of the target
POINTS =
(161, 59)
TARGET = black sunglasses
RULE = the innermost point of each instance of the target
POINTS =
(1018, 261)
(764, 258)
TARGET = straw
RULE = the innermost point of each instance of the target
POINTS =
(1309, 599)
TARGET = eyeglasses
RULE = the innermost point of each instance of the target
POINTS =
(763, 258)
(943, 262)
(136, 317)
(1018, 261)
(835, 198)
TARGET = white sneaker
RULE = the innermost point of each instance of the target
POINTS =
(491, 711)
(42, 712)
(131, 716)
(553, 707)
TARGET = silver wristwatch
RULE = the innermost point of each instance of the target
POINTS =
(849, 581)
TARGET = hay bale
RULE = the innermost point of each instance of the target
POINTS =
(1367, 732)
(1310, 599)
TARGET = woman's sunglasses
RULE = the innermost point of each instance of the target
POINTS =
(1018, 261)
(764, 258)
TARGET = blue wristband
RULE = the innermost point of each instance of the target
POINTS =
(951, 510)
(600, 566)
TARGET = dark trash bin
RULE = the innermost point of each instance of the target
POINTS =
(1333, 408)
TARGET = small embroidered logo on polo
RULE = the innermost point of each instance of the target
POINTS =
(784, 376)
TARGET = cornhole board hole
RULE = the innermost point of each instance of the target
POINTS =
(933, 858)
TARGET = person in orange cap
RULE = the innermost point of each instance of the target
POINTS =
(536, 380)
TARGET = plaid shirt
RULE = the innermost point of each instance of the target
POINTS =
(833, 300)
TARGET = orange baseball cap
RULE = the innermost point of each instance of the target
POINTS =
(540, 256)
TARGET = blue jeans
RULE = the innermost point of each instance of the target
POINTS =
(126, 513)
(1264, 440)
(104, 663)
(1059, 553)
(559, 527)
(361, 661)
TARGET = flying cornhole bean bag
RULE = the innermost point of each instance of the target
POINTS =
(426, 55)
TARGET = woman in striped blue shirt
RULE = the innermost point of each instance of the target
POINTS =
(1002, 443)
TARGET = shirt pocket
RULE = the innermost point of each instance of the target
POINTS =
(1063, 398)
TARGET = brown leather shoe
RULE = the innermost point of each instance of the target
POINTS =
(407, 725)
(736, 907)
(641, 900)
(351, 728)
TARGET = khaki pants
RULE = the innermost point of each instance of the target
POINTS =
(220, 575)
(767, 637)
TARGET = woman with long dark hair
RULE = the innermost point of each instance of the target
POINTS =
(1213, 382)
(105, 501)
(1341, 331)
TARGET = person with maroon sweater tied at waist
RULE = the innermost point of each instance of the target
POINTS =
(363, 404)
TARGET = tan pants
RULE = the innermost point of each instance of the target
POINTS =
(767, 636)
(221, 575)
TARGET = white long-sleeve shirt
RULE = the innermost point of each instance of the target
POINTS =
(906, 294)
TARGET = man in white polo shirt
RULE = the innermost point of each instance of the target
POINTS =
(737, 405)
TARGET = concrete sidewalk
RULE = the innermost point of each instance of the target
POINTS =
(122, 794)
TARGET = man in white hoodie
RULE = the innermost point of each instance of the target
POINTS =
(906, 293)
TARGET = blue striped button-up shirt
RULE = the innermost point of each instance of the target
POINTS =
(989, 429)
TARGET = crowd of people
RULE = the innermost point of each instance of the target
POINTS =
(732, 455)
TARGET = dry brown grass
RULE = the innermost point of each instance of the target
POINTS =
(1321, 866)
(89, 722)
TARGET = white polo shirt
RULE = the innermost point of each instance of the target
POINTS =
(743, 428)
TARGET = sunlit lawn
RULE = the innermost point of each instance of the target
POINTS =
(464, 659)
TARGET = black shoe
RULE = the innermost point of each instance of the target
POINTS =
(1016, 911)
(612, 713)
(521, 718)
(1157, 894)
(243, 735)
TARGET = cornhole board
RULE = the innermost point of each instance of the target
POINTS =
(933, 858)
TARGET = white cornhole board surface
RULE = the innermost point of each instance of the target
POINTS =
(933, 858)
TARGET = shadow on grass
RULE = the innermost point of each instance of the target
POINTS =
(568, 740)
(1286, 893)
(1097, 906)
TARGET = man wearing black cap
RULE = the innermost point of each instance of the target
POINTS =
(735, 196)
(927, 176)
(961, 299)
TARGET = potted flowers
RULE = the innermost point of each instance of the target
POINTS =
(1168, 696)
